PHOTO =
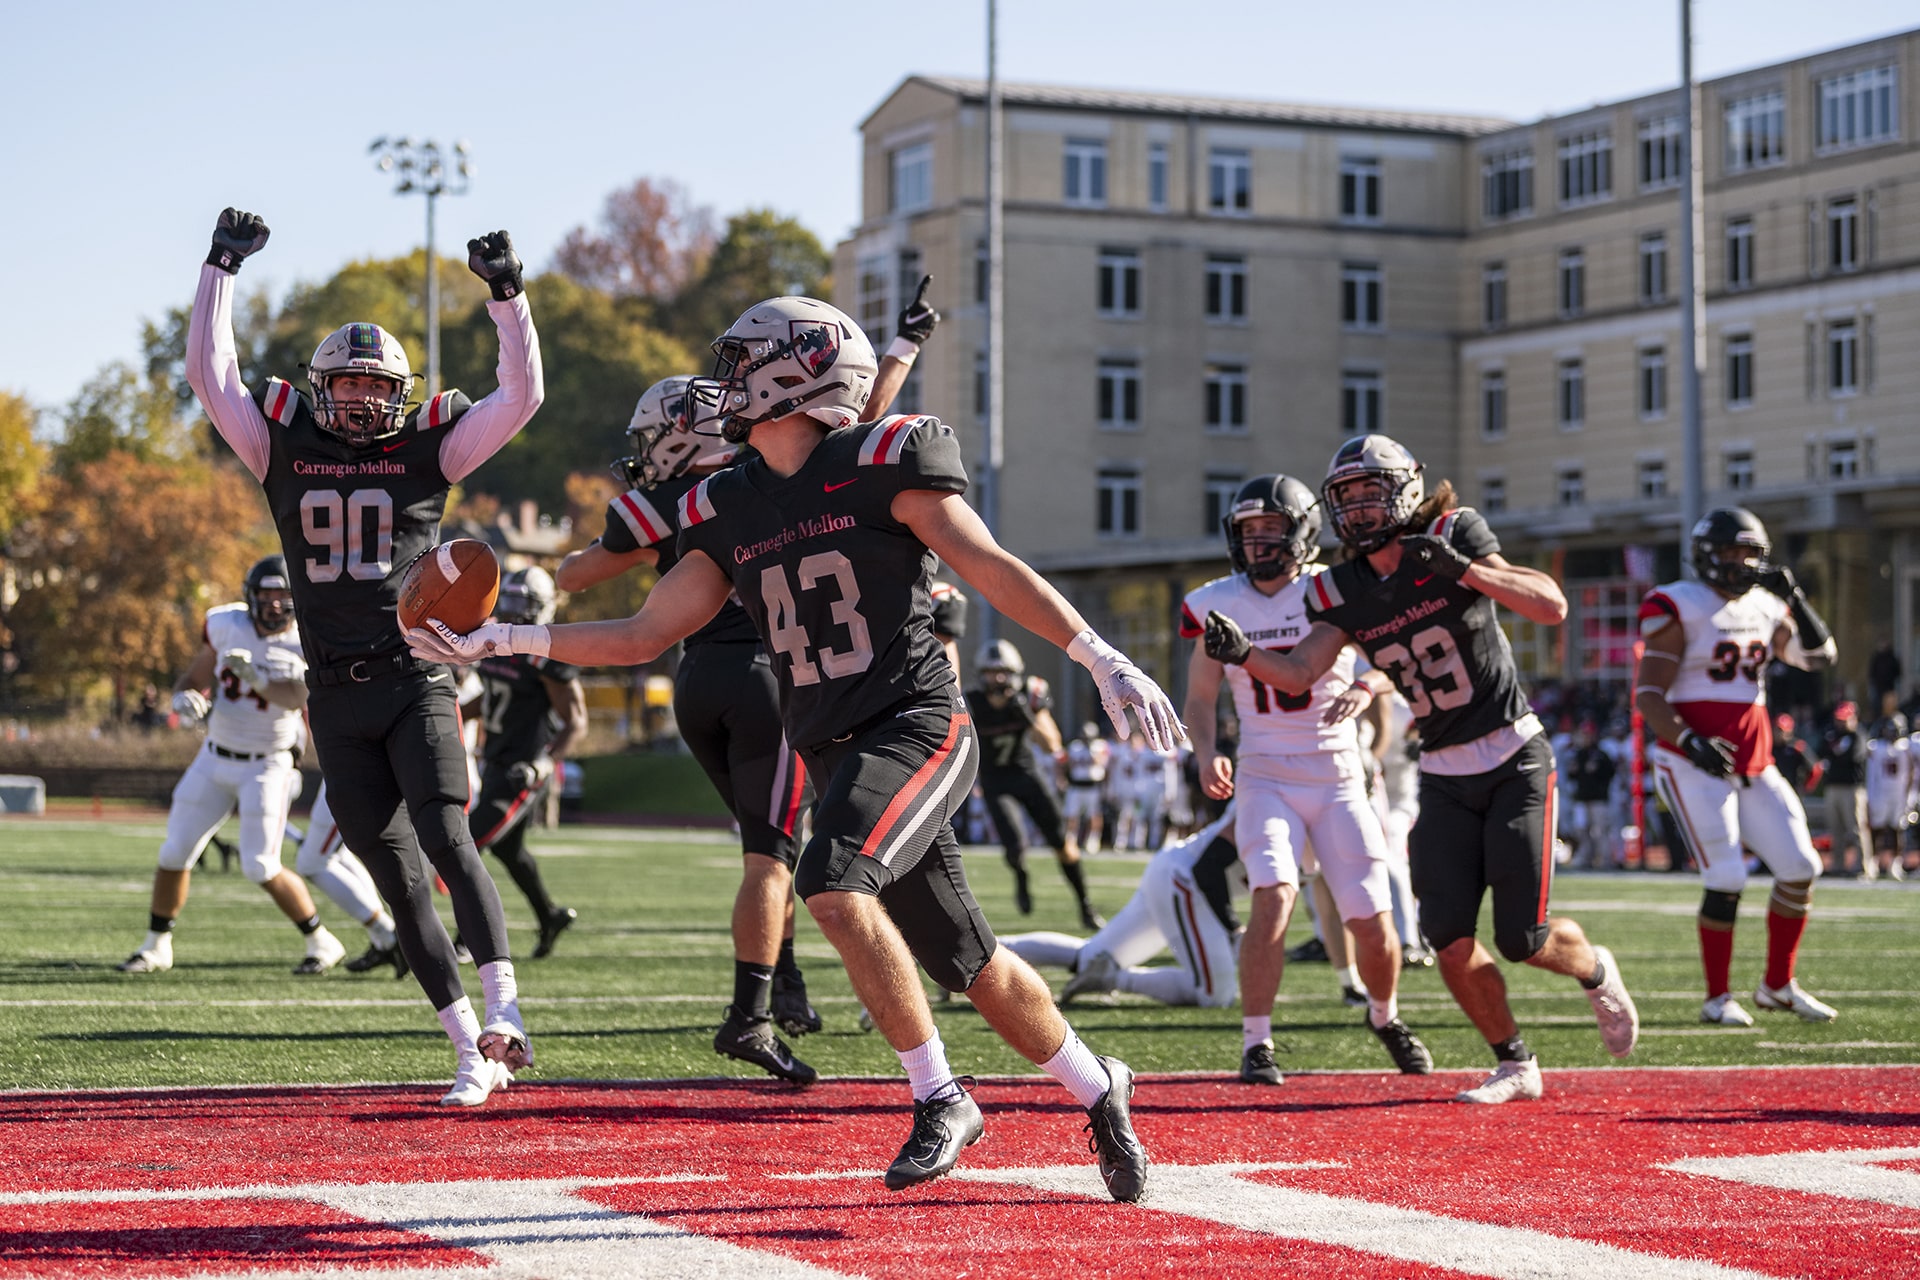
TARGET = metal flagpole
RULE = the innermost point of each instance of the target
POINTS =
(995, 443)
(1693, 296)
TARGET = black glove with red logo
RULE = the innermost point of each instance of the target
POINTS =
(1422, 554)
(237, 236)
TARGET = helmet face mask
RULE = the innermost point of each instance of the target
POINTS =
(1730, 550)
(1002, 669)
(373, 404)
(1272, 528)
(784, 356)
(1372, 492)
(269, 595)
(664, 443)
(526, 597)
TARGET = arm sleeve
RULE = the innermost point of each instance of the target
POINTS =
(483, 429)
(213, 371)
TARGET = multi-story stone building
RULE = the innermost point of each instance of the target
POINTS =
(1199, 290)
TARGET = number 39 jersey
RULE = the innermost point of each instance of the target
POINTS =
(352, 520)
(1439, 641)
(240, 719)
(1273, 723)
(1720, 689)
(837, 588)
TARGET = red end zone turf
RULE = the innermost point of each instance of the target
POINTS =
(1773, 1172)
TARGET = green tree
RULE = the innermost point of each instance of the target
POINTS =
(22, 459)
(121, 410)
(762, 255)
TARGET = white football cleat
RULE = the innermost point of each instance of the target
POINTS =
(1510, 1080)
(1613, 1009)
(1723, 1010)
(1791, 999)
(478, 1079)
(504, 1038)
(323, 952)
(1099, 975)
(154, 958)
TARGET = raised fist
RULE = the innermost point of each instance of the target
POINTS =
(236, 236)
(917, 318)
(1779, 580)
(1224, 640)
(1422, 554)
(491, 257)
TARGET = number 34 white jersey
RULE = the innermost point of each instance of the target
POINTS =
(242, 720)
(1273, 723)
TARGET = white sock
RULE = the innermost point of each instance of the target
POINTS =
(1076, 1067)
(496, 979)
(1381, 1012)
(1348, 977)
(380, 930)
(1255, 1031)
(927, 1069)
(462, 1027)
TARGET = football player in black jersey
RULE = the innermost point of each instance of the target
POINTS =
(1418, 597)
(357, 481)
(532, 711)
(828, 535)
(1006, 706)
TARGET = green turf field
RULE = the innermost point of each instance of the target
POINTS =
(637, 987)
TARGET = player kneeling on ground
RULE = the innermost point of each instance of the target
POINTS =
(828, 536)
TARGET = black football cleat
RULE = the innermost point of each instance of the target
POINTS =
(792, 1011)
(374, 957)
(752, 1040)
(1090, 919)
(551, 928)
(1312, 951)
(228, 853)
(1123, 1160)
(1403, 1047)
(1352, 997)
(1258, 1067)
(943, 1127)
(1022, 892)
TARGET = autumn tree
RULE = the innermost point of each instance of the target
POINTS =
(652, 242)
(763, 255)
(22, 458)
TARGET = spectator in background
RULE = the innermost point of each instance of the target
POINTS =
(1883, 672)
(148, 716)
(1589, 771)
(1844, 753)
(1793, 758)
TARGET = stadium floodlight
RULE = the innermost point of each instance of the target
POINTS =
(423, 167)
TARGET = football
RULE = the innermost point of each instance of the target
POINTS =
(455, 582)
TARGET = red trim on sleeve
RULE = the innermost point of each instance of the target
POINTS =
(1189, 625)
(1656, 604)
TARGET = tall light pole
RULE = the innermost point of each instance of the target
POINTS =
(422, 169)
(995, 443)
(1693, 292)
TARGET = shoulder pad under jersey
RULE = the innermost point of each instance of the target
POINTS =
(442, 411)
(888, 436)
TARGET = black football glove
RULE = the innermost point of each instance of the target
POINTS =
(1423, 555)
(1711, 755)
(917, 318)
(1779, 580)
(491, 257)
(237, 236)
(1224, 640)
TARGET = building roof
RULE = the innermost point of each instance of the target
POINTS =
(1250, 110)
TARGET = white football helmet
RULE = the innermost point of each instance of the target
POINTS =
(1000, 665)
(663, 440)
(783, 356)
(526, 597)
(361, 349)
(1372, 490)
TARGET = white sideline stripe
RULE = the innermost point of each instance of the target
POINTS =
(1214, 1193)
(1818, 1046)
(1852, 1175)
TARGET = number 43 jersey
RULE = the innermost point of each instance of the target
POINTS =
(1273, 723)
(838, 589)
(1720, 689)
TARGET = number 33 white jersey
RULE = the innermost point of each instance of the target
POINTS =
(240, 719)
(1720, 689)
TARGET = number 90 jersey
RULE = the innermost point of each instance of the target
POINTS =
(838, 589)
(1720, 689)
(1273, 723)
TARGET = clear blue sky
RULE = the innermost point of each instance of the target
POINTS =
(129, 125)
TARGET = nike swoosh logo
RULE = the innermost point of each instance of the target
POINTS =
(437, 679)
(1525, 768)
(1421, 582)
(843, 484)
(398, 444)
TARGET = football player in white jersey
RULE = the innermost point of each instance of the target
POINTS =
(1890, 784)
(1702, 689)
(1299, 777)
(1086, 770)
(252, 667)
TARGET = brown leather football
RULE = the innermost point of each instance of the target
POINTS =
(455, 582)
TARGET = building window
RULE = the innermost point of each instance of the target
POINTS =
(1756, 128)
(1573, 394)
(1119, 288)
(1650, 478)
(1653, 268)
(1361, 286)
(874, 298)
(1222, 488)
(1359, 189)
(1586, 167)
(1571, 487)
(1660, 153)
(1120, 393)
(911, 188)
(1226, 286)
(1493, 403)
(1843, 234)
(981, 267)
(1229, 180)
(1738, 468)
(909, 398)
(1573, 283)
(1361, 409)
(1084, 180)
(980, 385)
(1843, 459)
(1227, 397)
(1739, 370)
(1493, 295)
(1739, 253)
(1653, 382)
(1118, 503)
(1843, 358)
(1506, 179)
(1493, 494)
(1157, 176)
(1857, 110)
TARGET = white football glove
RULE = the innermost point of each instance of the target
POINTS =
(1122, 685)
(240, 662)
(191, 705)
(438, 642)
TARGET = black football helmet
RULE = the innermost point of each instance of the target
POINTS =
(1730, 529)
(269, 595)
(526, 596)
(1273, 495)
